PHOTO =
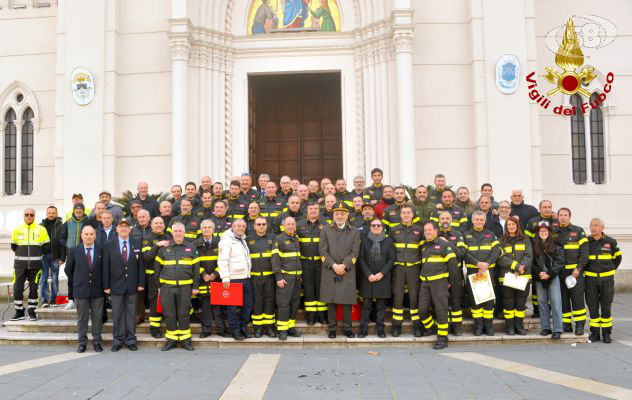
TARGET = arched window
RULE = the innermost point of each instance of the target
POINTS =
(27, 152)
(578, 141)
(10, 152)
(597, 147)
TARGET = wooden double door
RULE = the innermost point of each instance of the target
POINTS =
(295, 126)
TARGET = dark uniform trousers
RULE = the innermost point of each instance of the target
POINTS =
(457, 290)
(211, 312)
(573, 305)
(238, 316)
(155, 318)
(312, 269)
(515, 302)
(20, 275)
(434, 292)
(406, 276)
(176, 303)
(288, 299)
(484, 310)
(263, 286)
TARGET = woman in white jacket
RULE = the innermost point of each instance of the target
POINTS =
(234, 265)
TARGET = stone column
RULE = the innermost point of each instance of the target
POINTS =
(403, 37)
(180, 43)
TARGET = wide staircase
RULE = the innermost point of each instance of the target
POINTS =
(58, 326)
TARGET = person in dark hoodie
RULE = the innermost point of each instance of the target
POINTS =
(548, 261)
(50, 261)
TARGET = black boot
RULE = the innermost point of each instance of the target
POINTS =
(170, 345)
(442, 343)
(283, 335)
(489, 327)
(188, 345)
(293, 332)
(380, 332)
(456, 329)
(155, 332)
(258, 332)
(19, 315)
(567, 327)
(579, 328)
(605, 335)
(417, 329)
(245, 333)
(396, 330)
(271, 331)
(221, 331)
(520, 330)
(310, 317)
(478, 326)
(594, 335)
(364, 332)
(510, 326)
(322, 317)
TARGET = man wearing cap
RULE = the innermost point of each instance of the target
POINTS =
(362, 221)
(105, 197)
(76, 198)
(123, 278)
(339, 249)
(70, 236)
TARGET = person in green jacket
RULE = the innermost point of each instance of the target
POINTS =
(323, 12)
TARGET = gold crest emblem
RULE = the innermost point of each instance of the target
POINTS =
(569, 57)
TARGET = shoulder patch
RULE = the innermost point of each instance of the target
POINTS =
(251, 242)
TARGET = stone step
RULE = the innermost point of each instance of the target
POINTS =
(305, 341)
(70, 326)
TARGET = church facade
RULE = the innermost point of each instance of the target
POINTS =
(102, 94)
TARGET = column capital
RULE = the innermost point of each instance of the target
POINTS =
(180, 46)
(403, 39)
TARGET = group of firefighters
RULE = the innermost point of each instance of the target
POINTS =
(440, 238)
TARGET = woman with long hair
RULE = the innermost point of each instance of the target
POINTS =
(517, 258)
(548, 261)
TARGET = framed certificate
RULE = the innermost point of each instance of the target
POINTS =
(482, 287)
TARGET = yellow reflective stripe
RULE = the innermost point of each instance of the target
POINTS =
(520, 247)
(570, 266)
(407, 245)
(434, 277)
(264, 273)
(571, 246)
(531, 235)
(514, 264)
(582, 241)
(315, 258)
(407, 264)
(601, 274)
(267, 254)
(175, 282)
(309, 240)
(617, 253)
(292, 272)
(508, 249)
(604, 256)
(474, 266)
(149, 271)
(147, 248)
(290, 254)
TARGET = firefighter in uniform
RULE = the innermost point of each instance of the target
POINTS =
(343, 195)
(293, 210)
(261, 244)
(287, 267)
(205, 210)
(459, 219)
(604, 257)
(482, 252)
(438, 263)
(363, 222)
(327, 212)
(392, 214)
(530, 229)
(221, 220)
(272, 205)
(236, 205)
(177, 266)
(407, 238)
(575, 243)
(191, 223)
(517, 257)
(455, 238)
(151, 244)
(29, 242)
(308, 231)
(207, 252)
(425, 209)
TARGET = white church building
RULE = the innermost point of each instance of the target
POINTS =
(100, 94)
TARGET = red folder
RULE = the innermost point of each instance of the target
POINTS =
(159, 304)
(233, 296)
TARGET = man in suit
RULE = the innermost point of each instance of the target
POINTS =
(84, 269)
(123, 278)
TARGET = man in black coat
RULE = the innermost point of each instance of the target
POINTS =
(123, 278)
(520, 209)
(84, 269)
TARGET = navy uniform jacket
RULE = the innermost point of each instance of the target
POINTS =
(84, 282)
(123, 278)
